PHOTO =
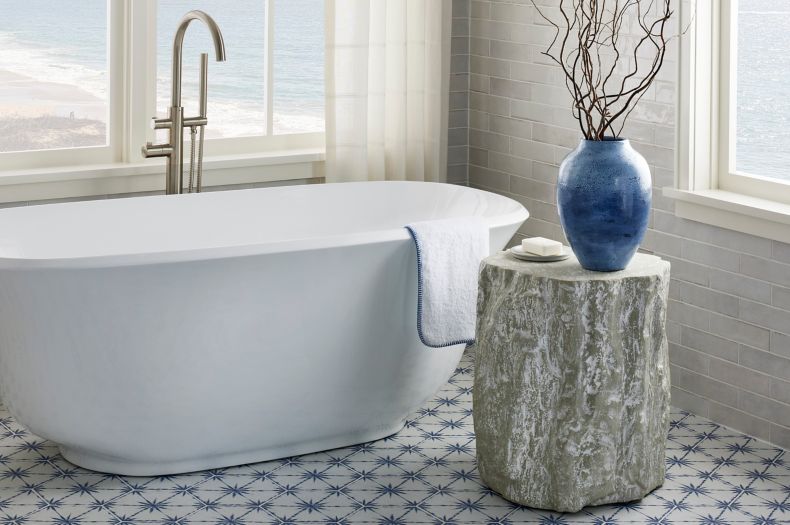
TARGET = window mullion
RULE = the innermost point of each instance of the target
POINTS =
(269, 67)
(116, 18)
(727, 84)
(140, 75)
(697, 142)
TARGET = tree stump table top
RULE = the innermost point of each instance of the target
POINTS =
(643, 265)
(571, 391)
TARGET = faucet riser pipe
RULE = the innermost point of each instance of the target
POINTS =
(175, 175)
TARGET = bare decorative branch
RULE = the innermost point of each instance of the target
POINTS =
(610, 53)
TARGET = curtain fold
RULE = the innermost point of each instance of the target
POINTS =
(387, 89)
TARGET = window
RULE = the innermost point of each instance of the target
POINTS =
(734, 114)
(55, 86)
(58, 82)
(81, 79)
(762, 88)
(754, 109)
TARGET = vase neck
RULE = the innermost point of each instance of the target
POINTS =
(608, 143)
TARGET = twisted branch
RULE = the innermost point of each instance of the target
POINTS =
(590, 47)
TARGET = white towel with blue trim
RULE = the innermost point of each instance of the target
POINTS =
(449, 252)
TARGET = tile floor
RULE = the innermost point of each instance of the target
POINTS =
(424, 474)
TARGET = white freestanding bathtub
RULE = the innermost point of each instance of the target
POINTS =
(160, 335)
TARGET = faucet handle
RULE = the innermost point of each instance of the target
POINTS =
(160, 123)
(156, 150)
(191, 122)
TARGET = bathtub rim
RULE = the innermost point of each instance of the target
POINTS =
(519, 215)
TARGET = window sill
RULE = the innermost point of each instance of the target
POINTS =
(759, 217)
(114, 179)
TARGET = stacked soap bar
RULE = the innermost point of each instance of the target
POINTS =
(541, 246)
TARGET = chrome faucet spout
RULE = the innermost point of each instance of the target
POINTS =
(178, 47)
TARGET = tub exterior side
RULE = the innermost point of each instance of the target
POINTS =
(145, 370)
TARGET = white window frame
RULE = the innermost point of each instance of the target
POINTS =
(119, 167)
(707, 187)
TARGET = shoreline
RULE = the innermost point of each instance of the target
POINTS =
(23, 96)
(38, 115)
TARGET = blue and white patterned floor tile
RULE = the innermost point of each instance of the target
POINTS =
(426, 474)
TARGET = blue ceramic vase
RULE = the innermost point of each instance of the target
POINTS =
(604, 196)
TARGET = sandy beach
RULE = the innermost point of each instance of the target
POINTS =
(47, 115)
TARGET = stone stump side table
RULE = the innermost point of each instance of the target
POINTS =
(571, 390)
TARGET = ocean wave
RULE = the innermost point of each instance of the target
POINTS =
(49, 64)
(287, 123)
(229, 118)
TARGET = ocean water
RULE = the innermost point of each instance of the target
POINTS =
(65, 42)
(763, 114)
(56, 42)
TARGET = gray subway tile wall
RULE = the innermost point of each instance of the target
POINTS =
(729, 313)
(458, 132)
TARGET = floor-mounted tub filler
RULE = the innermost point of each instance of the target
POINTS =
(159, 335)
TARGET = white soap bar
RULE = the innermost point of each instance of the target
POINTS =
(541, 246)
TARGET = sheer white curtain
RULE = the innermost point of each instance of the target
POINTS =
(387, 84)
